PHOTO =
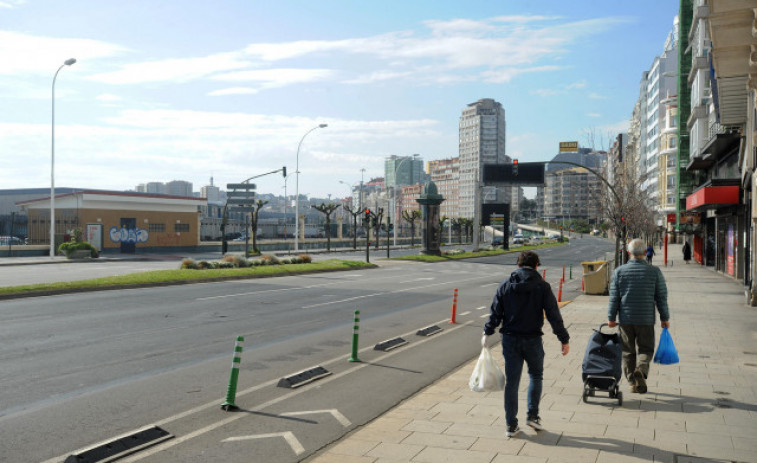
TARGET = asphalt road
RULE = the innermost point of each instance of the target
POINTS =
(80, 369)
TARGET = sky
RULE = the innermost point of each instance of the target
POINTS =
(229, 89)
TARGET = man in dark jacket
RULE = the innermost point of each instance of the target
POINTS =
(636, 289)
(519, 305)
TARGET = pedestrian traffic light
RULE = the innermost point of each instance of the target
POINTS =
(284, 171)
(367, 216)
(515, 167)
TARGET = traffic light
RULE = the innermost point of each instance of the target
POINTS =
(284, 171)
(515, 167)
(367, 217)
(391, 227)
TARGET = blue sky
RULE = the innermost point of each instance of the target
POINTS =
(167, 90)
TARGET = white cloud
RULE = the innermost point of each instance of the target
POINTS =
(11, 3)
(597, 96)
(108, 97)
(274, 78)
(234, 91)
(594, 115)
(172, 70)
(28, 54)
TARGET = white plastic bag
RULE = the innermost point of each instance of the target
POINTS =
(487, 375)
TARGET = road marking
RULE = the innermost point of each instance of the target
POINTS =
(489, 284)
(263, 406)
(465, 313)
(391, 292)
(484, 316)
(333, 412)
(480, 308)
(287, 435)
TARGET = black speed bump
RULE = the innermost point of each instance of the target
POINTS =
(121, 447)
(390, 344)
(303, 377)
(429, 331)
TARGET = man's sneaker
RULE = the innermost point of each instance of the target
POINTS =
(633, 387)
(641, 383)
(512, 430)
(534, 422)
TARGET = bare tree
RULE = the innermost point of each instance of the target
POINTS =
(354, 213)
(254, 223)
(410, 217)
(327, 209)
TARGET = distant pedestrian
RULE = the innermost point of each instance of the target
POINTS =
(636, 289)
(650, 253)
(686, 252)
(520, 304)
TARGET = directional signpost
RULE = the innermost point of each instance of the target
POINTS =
(240, 198)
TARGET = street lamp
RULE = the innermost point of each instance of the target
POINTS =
(297, 189)
(68, 62)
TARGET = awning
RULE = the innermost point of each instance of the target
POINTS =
(712, 196)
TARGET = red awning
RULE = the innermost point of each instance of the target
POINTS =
(712, 195)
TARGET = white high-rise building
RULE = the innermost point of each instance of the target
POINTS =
(482, 141)
(657, 86)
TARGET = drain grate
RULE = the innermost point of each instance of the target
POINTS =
(120, 447)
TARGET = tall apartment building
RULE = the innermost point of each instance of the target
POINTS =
(179, 188)
(572, 194)
(482, 140)
(657, 86)
(445, 173)
(404, 170)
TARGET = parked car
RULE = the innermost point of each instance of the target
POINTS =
(518, 239)
(498, 241)
(11, 240)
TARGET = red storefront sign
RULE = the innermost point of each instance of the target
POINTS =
(713, 195)
(671, 218)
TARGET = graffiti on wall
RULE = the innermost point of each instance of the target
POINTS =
(128, 235)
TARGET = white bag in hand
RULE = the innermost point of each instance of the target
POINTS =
(487, 375)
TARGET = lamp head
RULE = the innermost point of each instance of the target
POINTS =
(323, 126)
(69, 61)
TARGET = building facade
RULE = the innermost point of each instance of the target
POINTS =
(482, 141)
(445, 173)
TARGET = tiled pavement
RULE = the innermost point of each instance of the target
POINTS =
(703, 409)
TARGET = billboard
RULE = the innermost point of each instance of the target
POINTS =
(526, 173)
(568, 147)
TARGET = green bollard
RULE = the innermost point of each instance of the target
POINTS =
(571, 272)
(355, 330)
(231, 392)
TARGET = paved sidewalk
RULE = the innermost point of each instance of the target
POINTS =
(703, 409)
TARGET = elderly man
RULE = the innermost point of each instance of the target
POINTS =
(636, 290)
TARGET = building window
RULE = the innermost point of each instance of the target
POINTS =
(156, 228)
(181, 227)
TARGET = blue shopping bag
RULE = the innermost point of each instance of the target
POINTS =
(666, 351)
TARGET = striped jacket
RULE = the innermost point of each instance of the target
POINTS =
(635, 290)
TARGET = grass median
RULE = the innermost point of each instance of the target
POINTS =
(470, 254)
(180, 276)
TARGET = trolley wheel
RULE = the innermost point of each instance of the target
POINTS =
(584, 396)
(613, 393)
(620, 399)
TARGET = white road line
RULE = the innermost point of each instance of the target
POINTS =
(465, 313)
(287, 435)
(481, 308)
(484, 316)
(178, 440)
(333, 412)
(341, 300)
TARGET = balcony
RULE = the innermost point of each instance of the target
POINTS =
(697, 112)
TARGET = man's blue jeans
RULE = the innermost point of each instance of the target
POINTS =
(516, 350)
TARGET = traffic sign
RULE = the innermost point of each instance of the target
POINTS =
(241, 201)
(240, 186)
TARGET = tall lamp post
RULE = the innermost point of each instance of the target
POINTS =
(68, 62)
(297, 189)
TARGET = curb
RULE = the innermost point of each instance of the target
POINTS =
(56, 292)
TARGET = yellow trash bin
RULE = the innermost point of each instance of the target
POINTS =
(596, 277)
